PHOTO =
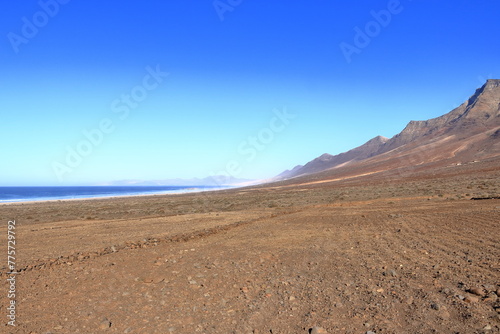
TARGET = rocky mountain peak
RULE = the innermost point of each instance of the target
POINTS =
(492, 83)
(490, 87)
(479, 114)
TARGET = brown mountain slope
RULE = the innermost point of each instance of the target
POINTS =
(327, 161)
(469, 132)
(479, 113)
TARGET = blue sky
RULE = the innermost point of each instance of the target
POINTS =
(96, 91)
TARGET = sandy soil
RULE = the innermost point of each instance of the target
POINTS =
(365, 255)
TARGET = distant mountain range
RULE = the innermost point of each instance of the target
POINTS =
(218, 180)
(469, 132)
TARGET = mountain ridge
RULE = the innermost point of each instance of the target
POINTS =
(478, 115)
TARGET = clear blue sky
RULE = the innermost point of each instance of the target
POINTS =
(73, 66)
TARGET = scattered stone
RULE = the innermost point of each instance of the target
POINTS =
(318, 330)
(487, 328)
(477, 291)
(105, 324)
(471, 299)
(291, 298)
(435, 306)
(370, 332)
(492, 297)
(157, 280)
(445, 314)
(390, 272)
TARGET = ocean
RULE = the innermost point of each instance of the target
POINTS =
(28, 194)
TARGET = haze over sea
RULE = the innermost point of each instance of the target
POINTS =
(28, 194)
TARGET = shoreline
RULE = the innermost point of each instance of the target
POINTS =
(106, 197)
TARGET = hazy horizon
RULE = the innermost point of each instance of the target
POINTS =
(95, 92)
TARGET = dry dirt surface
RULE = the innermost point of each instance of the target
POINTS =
(398, 256)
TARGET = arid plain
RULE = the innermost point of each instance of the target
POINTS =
(379, 253)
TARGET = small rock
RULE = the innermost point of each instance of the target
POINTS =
(291, 298)
(390, 272)
(477, 291)
(370, 332)
(487, 328)
(445, 314)
(105, 323)
(318, 330)
(471, 299)
(435, 306)
(491, 298)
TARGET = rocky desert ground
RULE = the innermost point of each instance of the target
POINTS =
(367, 254)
